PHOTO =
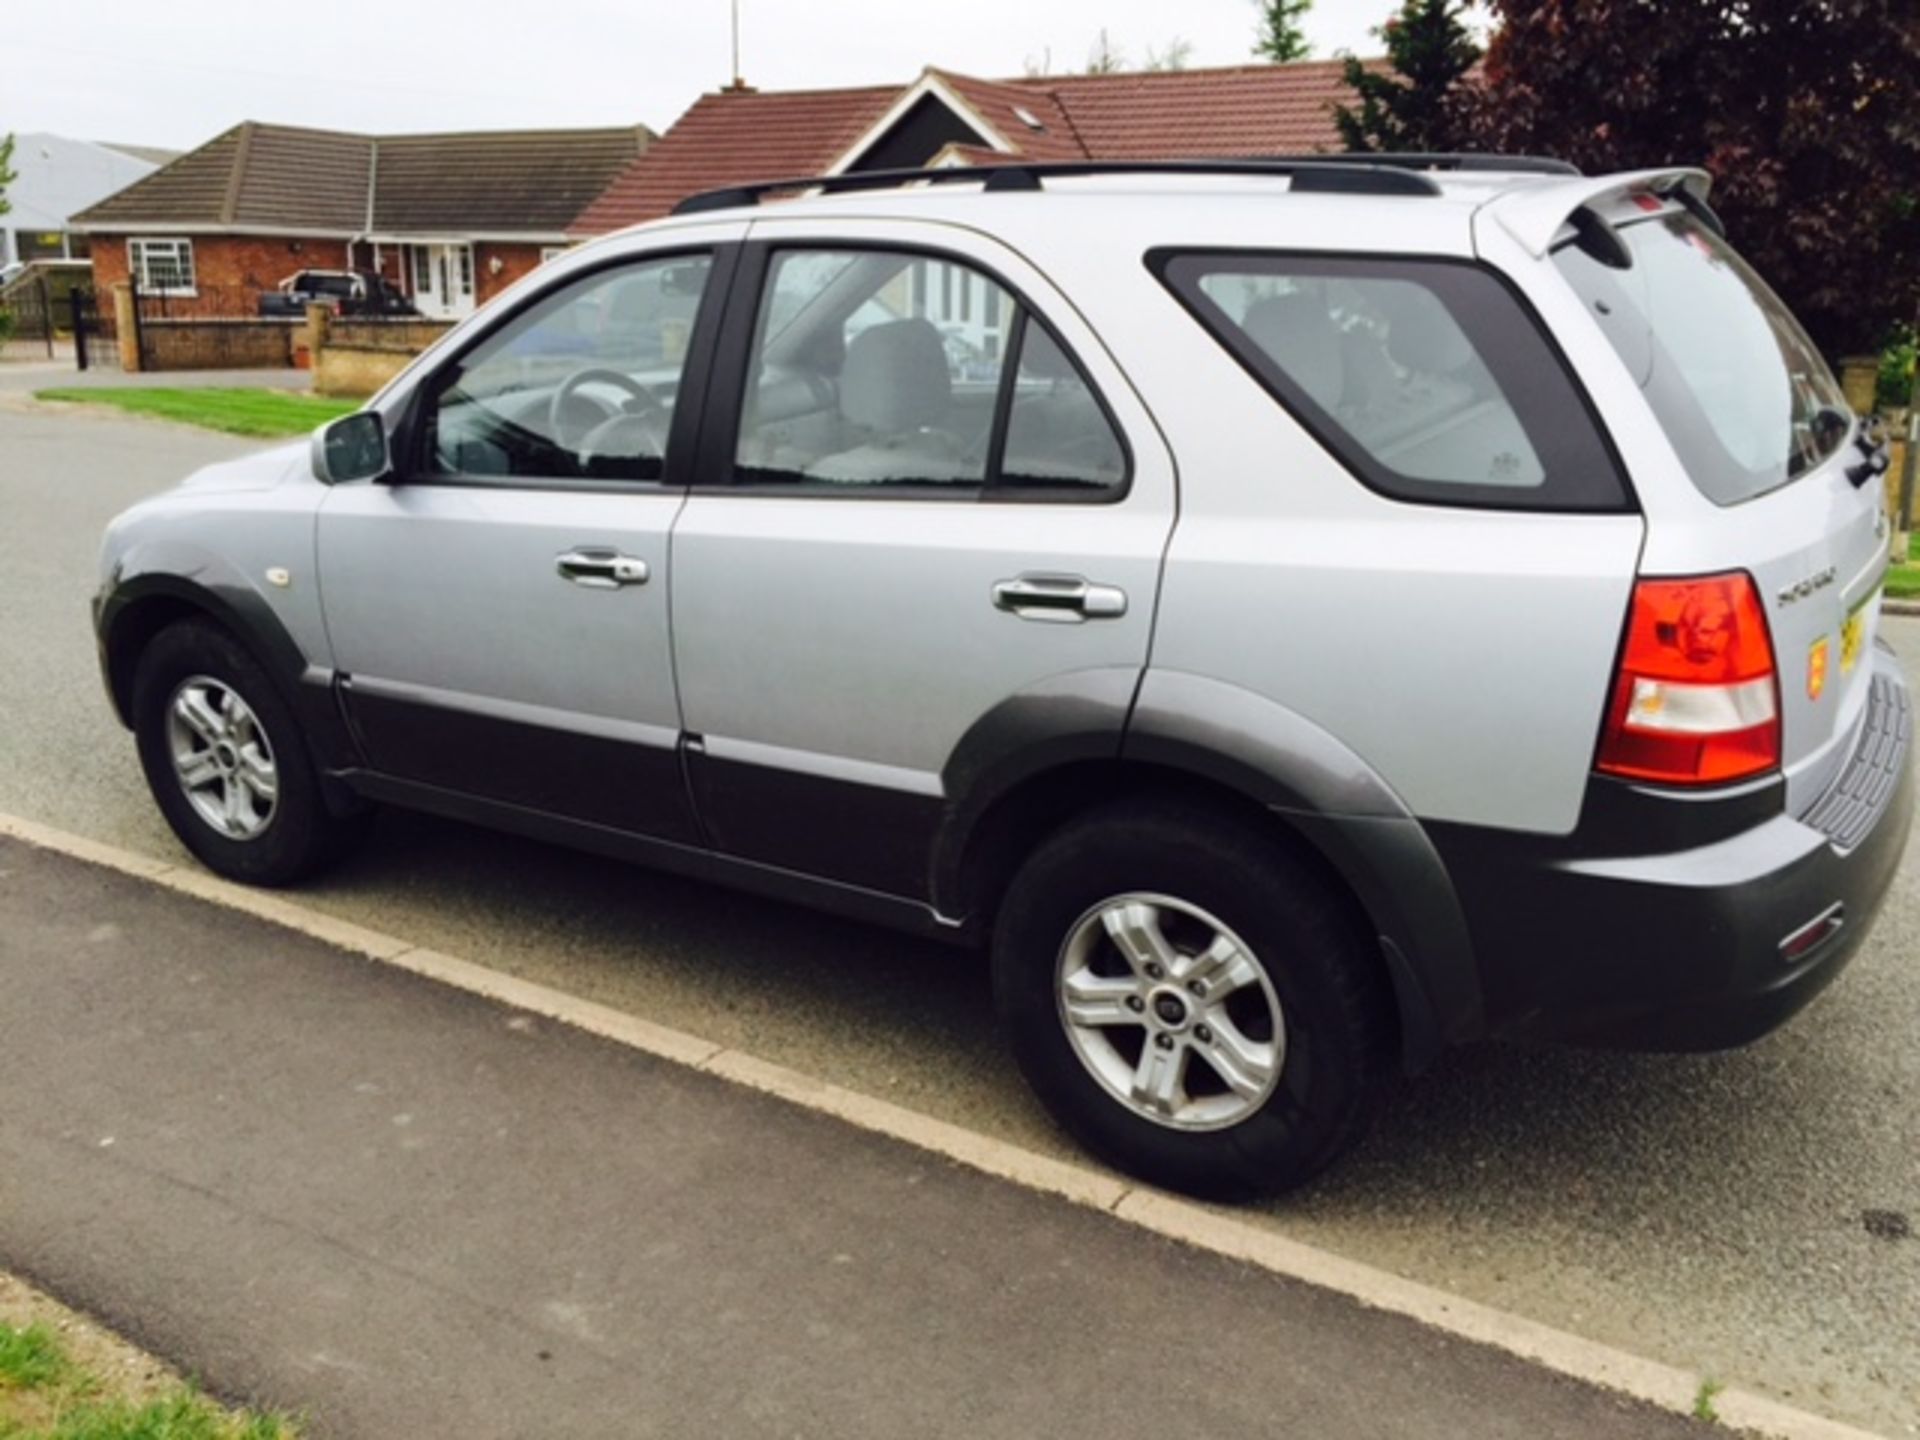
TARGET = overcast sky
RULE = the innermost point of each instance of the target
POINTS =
(178, 74)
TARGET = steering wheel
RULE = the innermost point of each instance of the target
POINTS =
(641, 405)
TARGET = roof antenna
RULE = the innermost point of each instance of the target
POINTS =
(739, 86)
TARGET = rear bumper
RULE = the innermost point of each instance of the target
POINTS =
(1659, 924)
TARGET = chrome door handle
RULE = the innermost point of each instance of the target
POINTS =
(1067, 599)
(601, 569)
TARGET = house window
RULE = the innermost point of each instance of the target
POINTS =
(466, 269)
(40, 244)
(422, 269)
(162, 267)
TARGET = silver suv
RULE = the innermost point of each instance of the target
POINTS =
(1302, 615)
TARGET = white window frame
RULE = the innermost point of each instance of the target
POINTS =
(138, 264)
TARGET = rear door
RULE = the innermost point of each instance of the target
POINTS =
(1766, 441)
(925, 497)
(498, 608)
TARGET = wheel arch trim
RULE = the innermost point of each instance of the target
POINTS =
(1169, 722)
(1351, 815)
(212, 589)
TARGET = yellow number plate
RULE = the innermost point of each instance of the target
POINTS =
(1853, 637)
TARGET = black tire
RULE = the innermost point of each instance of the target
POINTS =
(1331, 989)
(300, 836)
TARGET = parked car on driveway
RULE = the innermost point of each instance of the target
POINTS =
(1326, 612)
(345, 292)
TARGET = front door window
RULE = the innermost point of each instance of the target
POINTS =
(582, 386)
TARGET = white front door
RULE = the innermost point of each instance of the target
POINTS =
(443, 280)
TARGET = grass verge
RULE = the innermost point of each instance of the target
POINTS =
(265, 413)
(1903, 581)
(45, 1394)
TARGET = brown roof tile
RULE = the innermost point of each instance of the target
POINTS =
(288, 179)
(501, 183)
(1000, 104)
(195, 185)
(730, 137)
(1240, 110)
(733, 137)
(300, 179)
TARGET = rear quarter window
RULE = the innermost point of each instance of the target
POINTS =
(1427, 378)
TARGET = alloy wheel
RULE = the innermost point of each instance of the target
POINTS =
(1170, 1011)
(221, 757)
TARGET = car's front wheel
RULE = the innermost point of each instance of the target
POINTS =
(1190, 1000)
(226, 762)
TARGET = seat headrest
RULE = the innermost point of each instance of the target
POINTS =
(1421, 334)
(1300, 336)
(895, 377)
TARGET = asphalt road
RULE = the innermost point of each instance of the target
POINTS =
(399, 1209)
(1725, 1213)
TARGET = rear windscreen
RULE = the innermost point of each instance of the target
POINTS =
(1426, 377)
(1734, 381)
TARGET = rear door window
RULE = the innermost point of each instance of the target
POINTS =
(1426, 377)
(894, 372)
(1737, 386)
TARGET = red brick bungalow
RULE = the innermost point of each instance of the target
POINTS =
(450, 219)
(740, 134)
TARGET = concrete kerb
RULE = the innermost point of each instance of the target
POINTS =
(1202, 1227)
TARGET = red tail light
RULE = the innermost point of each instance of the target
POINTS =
(1697, 700)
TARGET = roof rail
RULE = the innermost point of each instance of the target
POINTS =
(1458, 160)
(1370, 174)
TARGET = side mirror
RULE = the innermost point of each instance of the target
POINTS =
(354, 447)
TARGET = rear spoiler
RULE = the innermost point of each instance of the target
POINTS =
(1534, 215)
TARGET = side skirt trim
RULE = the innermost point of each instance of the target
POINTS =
(855, 902)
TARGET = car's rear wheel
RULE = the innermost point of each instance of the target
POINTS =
(1191, 1000)
(226, 762)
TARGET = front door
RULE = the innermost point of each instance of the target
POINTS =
(930, 505)
(498, 612)
(443, 281)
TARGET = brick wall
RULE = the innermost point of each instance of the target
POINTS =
(515, 262)
(230, 271)
(409, 335)
(216, 344)
(353, 370)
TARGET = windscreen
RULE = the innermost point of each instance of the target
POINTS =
(1734, 381)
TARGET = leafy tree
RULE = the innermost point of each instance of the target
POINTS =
(1282, 35)
(1898, 363)
(1173, 56)
(1105, 58)
(1420, 102)
(1808, 115)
